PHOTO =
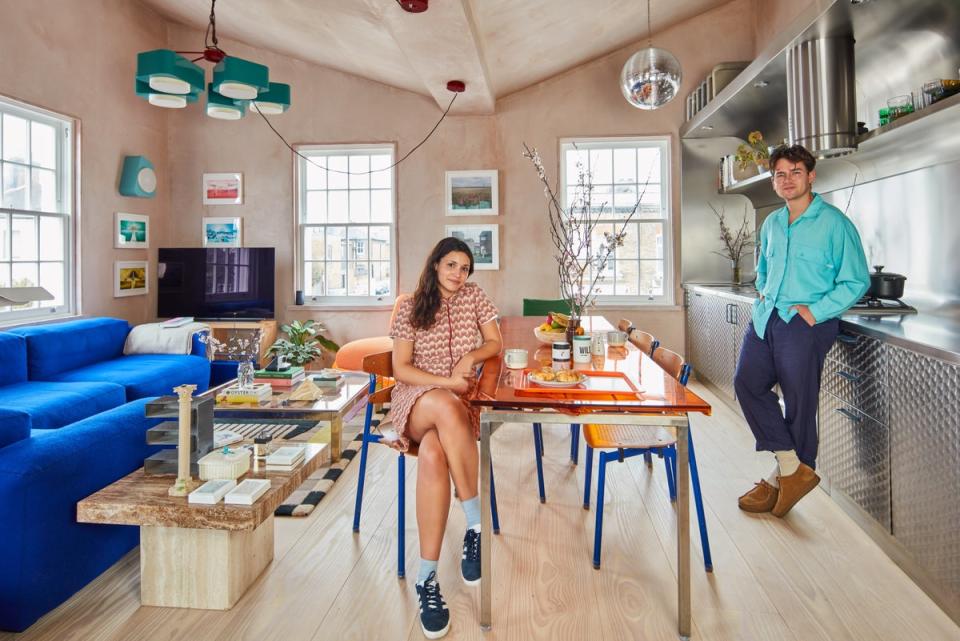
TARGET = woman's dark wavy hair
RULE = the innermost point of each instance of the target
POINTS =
(426, 300)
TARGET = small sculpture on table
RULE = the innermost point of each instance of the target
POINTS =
(185, 483)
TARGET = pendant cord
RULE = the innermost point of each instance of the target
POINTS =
(649, 29)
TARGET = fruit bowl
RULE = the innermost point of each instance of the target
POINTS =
(551, 336)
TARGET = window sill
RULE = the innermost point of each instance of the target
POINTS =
(652, 307)
(340, 308)
(38, 320)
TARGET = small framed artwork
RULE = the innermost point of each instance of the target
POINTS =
(483, 241)
(131, 231)
(131, 278)
(223, 189)
(472, 193)
(222, 232)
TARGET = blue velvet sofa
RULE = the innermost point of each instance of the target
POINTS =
(71, 422)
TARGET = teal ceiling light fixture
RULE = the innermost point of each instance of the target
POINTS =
(167, 79)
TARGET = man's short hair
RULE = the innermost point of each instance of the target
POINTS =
(793, 153)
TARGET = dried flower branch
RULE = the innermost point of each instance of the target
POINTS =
(238, 347)
(735, 244)
(580, 264)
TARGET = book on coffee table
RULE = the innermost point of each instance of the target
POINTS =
(288, 455)
(211, 492)
(247, 492)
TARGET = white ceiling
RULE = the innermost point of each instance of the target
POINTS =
(496, 46)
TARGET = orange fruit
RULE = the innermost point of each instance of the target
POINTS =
(579, 331)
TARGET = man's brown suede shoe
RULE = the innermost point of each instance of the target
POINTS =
(794, 487)
(761, 498)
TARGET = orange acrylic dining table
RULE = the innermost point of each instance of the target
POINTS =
(661, 400)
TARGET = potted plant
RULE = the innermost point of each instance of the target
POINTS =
(303, 343)
(753, 152)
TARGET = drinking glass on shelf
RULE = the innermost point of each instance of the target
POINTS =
(900, 106)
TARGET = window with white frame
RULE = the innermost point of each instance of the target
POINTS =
(624, 171)
(36, 227)
(346, 224)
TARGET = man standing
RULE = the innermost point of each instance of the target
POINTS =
(810, 270)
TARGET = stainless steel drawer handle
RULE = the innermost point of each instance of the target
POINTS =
(853, 417)
(847, 375)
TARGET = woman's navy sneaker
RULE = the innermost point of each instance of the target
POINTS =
(470, 560)
(434, 615)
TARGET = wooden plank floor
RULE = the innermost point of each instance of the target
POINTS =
(811, 576)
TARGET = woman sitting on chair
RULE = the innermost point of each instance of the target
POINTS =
(440, 335)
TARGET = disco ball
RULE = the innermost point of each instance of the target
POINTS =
(650, 78)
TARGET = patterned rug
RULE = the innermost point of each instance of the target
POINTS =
(306, 497)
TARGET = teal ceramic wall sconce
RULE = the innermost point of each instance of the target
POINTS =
(138, 179)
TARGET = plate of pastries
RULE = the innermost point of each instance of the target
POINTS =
(549, 377)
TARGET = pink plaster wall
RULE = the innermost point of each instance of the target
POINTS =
(79, 59)
(772, 16)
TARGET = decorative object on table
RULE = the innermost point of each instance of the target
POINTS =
(484, 242)
(651, 77)
(247, 492)
(581, 349)
(753, 152)
(574, 230)
(138, 179)
(735, 244)
(285, 459)
(256, 393)
(245, 372)
(200, 435)
(185, 482)
(304, 343)
(307, 391)
(131, 231)
(168, 79)
(472, 193)
(223, 189)
(130, 278)
(211, 492)
(222, 232)
(226, 463)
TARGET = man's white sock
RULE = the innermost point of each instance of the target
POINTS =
(787, 461)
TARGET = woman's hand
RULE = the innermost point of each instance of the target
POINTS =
(465, 367)
(459, 383)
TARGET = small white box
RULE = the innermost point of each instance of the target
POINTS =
(219, 465)
(211, 492)
(247, 492)
(286, 455)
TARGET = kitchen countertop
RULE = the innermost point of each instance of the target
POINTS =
(933, 334)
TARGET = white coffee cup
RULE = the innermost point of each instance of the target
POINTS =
(515, 358)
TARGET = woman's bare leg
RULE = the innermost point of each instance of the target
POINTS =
(433, 495)
(442, 411)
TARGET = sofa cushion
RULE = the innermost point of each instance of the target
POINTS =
(146, 374)
(48, 555)
(13, 358)
(52, 404)
(61, 347)
(14, 426)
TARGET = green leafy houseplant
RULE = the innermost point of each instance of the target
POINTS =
(303, 343)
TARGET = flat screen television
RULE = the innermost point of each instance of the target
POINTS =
(216, 283)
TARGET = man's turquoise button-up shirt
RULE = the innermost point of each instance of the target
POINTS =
(817, 261)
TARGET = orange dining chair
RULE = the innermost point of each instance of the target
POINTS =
(646, 343)
(380, 368)
(350, 356)
(633, 440)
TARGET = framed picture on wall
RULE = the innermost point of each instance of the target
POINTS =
(131, 231)
(131, 278)
(223, 189)
(472, 193)
(222, 232)
(483, 241)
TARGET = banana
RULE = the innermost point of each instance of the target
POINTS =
(562, 319)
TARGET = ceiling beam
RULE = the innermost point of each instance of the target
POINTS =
(441, 44)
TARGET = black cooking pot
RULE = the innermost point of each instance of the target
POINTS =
(885, 284)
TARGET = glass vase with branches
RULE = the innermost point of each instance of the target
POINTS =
(736, 242)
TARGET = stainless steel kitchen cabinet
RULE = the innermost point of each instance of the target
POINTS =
(715, 327)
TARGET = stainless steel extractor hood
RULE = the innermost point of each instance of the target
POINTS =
(821, 96)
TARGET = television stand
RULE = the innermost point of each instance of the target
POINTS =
(224, 330)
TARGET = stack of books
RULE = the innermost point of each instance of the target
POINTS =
(285, 459)
(286, 378)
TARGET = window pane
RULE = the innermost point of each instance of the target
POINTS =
(601, 199)
(14, 186)
(4, 275)
(313, 279)
(51, 238)
(379, 243)
(359, 166)
(631, 242)
(624, 198)
(380, 278)
(601, 166)
(573, 157)
(24, 238)
(359, 279)
(627, 274)
(358, 243)
(313, 243)
(337, 207)
(651, 277)
(43, 143)
(43, 190)
(52, 278)
(316, 174)
(337, 177)
(316, 209)
(336, 279)
(381, 178)
(381, 207)
(14, 138)
(336, 243)
(4, 237)
(651, 206)
(651, 240)
(649, 165)
(359, 206)
(25, 275)
(625, 165)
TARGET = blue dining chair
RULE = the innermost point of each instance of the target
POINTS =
(634, 440)
(380, 367)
